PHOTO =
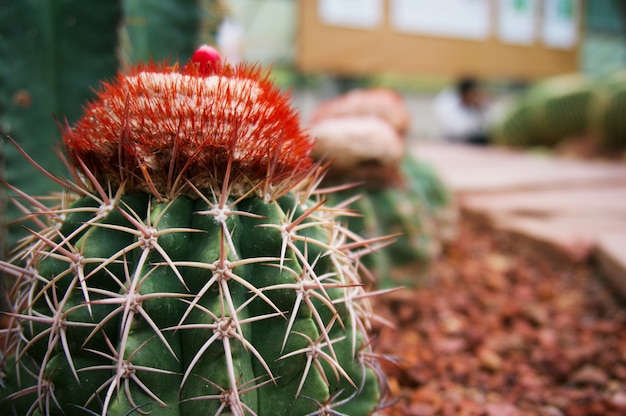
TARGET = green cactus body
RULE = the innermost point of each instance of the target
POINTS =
(390, 193)
(614, 126)
(518, 127)
(190, 268)
(415, 210)
(607, 118)
(548, 113)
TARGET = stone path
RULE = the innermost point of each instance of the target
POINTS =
(577, 208)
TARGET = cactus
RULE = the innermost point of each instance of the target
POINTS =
(397, 195)
(384, 103)
(190, 266)
(416, 209)
(565, 113)
(607, 119)
(40, 76)
(548, 113)
(54, 53)
(165, 29)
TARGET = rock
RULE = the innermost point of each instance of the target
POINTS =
(536, 313)
(489, 359)
(561, 206)
(501, 409)
(590, 374)
(452, 325)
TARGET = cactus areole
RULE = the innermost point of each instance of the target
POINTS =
(190, 267)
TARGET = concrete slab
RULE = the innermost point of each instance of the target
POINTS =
(574, 237)
(573, 207)
(479, 169)
(572, 220)
(605, 201)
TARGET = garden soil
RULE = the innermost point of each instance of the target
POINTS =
(501, 328)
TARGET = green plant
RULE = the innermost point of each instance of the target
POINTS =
(52, 55)
(517, 128)
(40, 75)
(166, 29)
(607, 119)
(416, 208)
(390, 192)
(190, 266)
(549, 112)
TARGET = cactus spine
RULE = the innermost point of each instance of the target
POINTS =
(190, 267)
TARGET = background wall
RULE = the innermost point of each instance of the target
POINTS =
(274, 35)
(476, 49)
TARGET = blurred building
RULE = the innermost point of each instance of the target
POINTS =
(279, 31)
(604, 42)
(330, 46)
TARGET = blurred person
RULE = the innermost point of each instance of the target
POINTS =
(461, 112)
(230, 38)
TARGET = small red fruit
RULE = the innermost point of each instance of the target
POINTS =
(208, 58)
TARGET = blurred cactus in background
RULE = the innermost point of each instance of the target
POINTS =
(609, 112)
(361, 134)
(167, 29)
(568, 113)
(52, 56)
(379, 102)
(547, 113)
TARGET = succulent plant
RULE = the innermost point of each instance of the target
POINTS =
(607, 119)
(41, 75)
(390, 192)
(191, 266)
(549, 112)
(416, 209)
(383, 103)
